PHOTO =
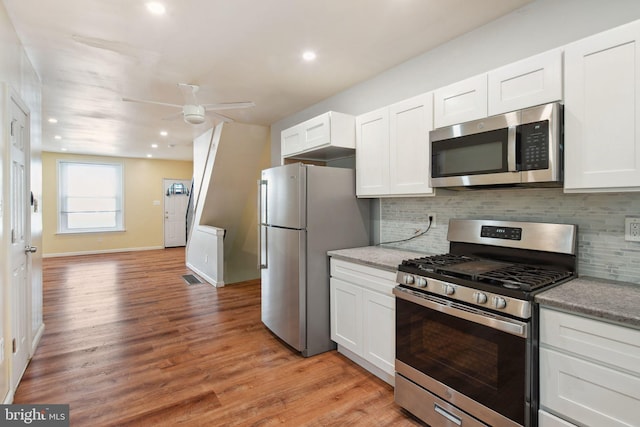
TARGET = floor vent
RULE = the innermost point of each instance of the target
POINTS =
(191, 279)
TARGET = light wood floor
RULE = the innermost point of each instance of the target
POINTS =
(128, 342)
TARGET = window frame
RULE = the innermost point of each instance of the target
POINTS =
(63, 227)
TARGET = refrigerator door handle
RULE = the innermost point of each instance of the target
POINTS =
(261, 264)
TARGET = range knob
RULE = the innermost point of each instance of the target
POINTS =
(480, 297)
(408, 279)
(422, 282)
(448, 289)
(499, 302)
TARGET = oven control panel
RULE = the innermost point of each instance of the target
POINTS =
(478, 298)
(507, 233)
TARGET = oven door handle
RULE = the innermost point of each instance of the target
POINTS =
(471, 314)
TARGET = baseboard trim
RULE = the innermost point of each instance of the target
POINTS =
(104, 251)
(36, 340)
(210, 280)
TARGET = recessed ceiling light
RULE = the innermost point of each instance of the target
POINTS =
(164, 133)
(63, 149)
(309, 56)
(52, 120)
(154, 145)
(57, 137)
(156, 8)
(149, 155)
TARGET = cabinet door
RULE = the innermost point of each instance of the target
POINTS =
(379, 330)
(589, 393)
(602, 111)
(460, 102)
(409, 153)
(545, 419)
(346, 314)
(291, 140)
(316, 132)
(533, 81)
(372, 153)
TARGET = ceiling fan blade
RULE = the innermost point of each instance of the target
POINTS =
(189, 92)
(228, 105)
(221, 117)
(144, 101)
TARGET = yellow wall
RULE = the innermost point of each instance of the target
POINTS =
(143, 221)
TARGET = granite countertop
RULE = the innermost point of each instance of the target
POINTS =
(375, 256)
(604, 299)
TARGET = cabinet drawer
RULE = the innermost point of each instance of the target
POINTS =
(378, 280)
(590, 394)
(603, 342)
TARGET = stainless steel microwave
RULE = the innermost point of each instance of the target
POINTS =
(521, 147)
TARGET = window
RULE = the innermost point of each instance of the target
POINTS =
(90, 197)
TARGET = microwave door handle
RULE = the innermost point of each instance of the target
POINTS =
(511, 148)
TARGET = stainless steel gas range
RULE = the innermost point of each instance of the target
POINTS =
(466, 323)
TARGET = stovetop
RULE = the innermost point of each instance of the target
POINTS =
(492, 272)
(494, 265)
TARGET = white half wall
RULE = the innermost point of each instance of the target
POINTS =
(227, 165)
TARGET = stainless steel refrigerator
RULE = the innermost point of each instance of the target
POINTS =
(305, 211)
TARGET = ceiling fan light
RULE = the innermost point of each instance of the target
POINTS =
(193, 114)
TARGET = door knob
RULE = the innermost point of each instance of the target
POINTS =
(30, 249)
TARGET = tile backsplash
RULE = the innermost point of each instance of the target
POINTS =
(602, 250)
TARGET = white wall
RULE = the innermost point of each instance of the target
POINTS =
(534, 28)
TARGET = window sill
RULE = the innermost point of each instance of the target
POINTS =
(66, 233)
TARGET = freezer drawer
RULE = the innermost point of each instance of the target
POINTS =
(283, 284)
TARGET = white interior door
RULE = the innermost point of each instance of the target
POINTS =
(19, 239)
(176, 198)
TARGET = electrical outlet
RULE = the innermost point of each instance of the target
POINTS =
(632, 229)
(432, 216)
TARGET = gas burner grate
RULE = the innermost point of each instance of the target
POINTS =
(432, 263)
(523, 277)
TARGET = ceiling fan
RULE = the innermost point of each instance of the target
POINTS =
(193, 112)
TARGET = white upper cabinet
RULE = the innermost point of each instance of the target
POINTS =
(372, 153)
(328, 136)
(409, 150)
(393, 155)
(532, 81)
(602, 111)
(460, 102)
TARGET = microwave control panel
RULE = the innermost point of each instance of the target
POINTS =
(533, 139)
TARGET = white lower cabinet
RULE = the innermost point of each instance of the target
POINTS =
(545, 419)
(363, 316)
(589, 370)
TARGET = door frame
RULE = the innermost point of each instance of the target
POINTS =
(187, 182)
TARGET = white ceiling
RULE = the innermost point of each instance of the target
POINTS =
(91, 53)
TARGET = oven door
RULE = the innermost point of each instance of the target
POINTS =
(471, 359)
(482, 152)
